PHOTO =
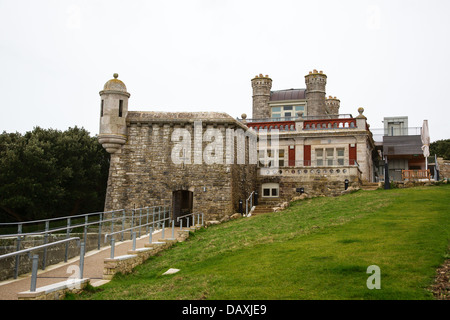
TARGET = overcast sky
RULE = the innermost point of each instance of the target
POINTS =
(390, 57)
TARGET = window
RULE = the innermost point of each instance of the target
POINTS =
(101, 109)
(270, 190)
(267, 158)
(340, 156)
(276, 109)
(319, 157)
(120, 108)
(287, 115)
(281, 157)
(330, 156)
(286, 112)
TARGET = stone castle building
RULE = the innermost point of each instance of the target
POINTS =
(160, 157)
(319, 150)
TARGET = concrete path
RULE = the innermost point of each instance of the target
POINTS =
(93, 267)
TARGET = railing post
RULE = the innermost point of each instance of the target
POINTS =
(153, 217)
(112, 221)
(159, 216)
(164, 217)
(85, 227)
(146, 224)
(66, 253)
(181, 224)
(140, 221)
(123, 223)
(173, 229)
(16, 266)
(99, 230)
(150, 235)
(82, 251)
(133, 234)
(44, 258)
(34, 269)
(112, 247)
(162, 235)
(132, 221)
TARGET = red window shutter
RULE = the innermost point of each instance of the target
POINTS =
(306, 155)
(352, 154)
(291, 156)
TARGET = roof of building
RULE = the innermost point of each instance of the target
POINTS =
(164, 117)
(115, 84)
(288, 94)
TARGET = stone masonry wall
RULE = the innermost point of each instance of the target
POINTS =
(144, 173)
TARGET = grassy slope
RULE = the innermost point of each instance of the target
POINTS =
(316, 249)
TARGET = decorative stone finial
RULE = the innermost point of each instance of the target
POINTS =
(361, 110)
(243, 116)
(115, 75)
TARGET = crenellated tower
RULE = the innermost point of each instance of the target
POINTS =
(113, 114)
(261, 95)
(333, 105)
(315, 93)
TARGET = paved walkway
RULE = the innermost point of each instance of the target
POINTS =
(93, 267)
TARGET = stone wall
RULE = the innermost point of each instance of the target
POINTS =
(444, 168)
(319, 181)
(144, 172)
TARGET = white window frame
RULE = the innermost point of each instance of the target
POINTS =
(271, 187)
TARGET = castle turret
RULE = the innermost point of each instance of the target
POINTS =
(261, 95)
(113, 113)
(333, 105)
(315, 93)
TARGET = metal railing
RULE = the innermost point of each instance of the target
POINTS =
(247, 201)
(66, 225)
(186, 216)
(35, 258)
(149, 226)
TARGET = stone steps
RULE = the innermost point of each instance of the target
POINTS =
(262, 208)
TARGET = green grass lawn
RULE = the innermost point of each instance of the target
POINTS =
(316, 249)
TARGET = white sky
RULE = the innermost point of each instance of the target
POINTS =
(390, 57)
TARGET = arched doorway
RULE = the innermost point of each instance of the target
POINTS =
(182, 204)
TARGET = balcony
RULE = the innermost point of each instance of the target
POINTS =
(308, 123)
(324, 124)
(282, 126)
(379, 133)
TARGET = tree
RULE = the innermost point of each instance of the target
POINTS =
(49, 173)
(441, 148)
